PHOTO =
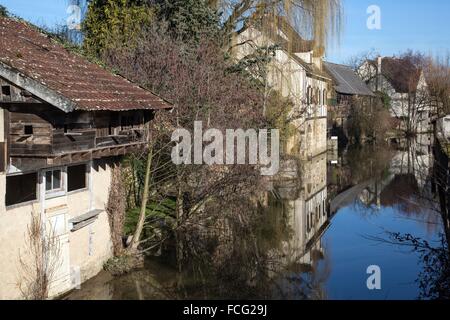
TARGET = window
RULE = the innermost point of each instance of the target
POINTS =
(6, 90)
(76, 178)
(20, 189)
(325, 96)
(309, 95)
(53, 181)
(127, 122)
(28, 130)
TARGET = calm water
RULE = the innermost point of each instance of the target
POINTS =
(315, 238)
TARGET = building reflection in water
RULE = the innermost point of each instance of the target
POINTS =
(299, 251)
(371, 179)
(303, 203)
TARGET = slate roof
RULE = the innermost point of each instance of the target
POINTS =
(346, 80)
(42, 66)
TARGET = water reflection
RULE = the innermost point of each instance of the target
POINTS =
(303, 202)
(313, 235)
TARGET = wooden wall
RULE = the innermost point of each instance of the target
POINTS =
(55, 132)
(36, 116)
(11, 93)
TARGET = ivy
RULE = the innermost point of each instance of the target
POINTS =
(109, 21)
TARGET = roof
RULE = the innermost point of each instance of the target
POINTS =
(311, 68)
(401, 73)
(346, 80)
(39, 64)
(295, 43)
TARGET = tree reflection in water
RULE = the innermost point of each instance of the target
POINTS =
(271, 245)
(408, 188)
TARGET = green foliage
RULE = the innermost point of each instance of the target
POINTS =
(155, 211)
(109, 22)
(3, 11)
(278, 113)
(188, 19)
(386, 99)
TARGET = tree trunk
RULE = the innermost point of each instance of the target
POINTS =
(140, 226)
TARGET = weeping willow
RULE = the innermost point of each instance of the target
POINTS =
(319, 20)
(300, 28)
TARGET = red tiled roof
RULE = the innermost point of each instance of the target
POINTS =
(403, 75)
(84, 85)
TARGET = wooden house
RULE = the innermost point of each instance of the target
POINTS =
(347, 89)
(64, 123)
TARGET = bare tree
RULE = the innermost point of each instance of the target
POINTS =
(40, 260)
(438, 77)
(203, 87)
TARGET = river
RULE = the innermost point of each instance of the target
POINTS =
(317, 237)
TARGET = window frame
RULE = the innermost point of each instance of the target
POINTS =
(53, 193)
(309, 95)
(87, 177)
(24, 203)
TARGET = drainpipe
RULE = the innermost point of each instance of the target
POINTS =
(91, 207)
(90, 182)
(42, 194)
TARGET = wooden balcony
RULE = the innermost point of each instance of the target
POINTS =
(60, 142)
(73, 147)
(42, 136)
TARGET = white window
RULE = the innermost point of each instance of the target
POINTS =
(62, 180)
(54, 182)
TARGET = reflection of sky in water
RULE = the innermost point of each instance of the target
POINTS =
(351, 253)
(313, 256)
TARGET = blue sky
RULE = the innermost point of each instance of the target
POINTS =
(405, 24)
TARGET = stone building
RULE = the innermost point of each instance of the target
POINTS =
(295, 72)
(405, 89)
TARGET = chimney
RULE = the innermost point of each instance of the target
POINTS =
(377, 78)
(379, 62)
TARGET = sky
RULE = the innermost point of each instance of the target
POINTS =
(405, 24)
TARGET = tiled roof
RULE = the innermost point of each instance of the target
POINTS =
(346, 80)
(45, 68)
(401, 73)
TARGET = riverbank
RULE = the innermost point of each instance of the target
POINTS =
(303, 250)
